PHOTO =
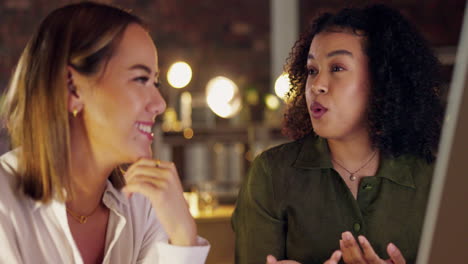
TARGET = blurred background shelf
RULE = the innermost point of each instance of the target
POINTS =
(216, 227)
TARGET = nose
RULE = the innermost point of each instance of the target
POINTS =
(318, 84)
(157, 104)
(319, 89)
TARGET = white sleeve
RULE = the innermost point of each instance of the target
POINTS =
(8, 241)
(9, 244)
(168, 253)
(157, 250)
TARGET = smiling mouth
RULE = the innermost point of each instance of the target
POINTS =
(146, 129)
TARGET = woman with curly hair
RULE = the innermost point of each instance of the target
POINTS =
(365, 114)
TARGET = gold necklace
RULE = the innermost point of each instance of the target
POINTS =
(82, 219)
(351, 174)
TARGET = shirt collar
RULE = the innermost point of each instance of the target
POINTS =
(111, 197)
(111, 194)
(397, 170)
(315, 154)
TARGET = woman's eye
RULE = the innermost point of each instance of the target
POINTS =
(311, 71)
(142, 79)
(337, 69)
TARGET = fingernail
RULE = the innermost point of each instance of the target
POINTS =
(338, 254)
(362, 240)
(347, 236)
(391, 248)
(270, 259)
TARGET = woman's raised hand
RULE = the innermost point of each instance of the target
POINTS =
(335, 257)
(352, 254)
(160, 183)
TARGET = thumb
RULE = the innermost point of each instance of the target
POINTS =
(270, 259)
(395, 254)
(336, 256)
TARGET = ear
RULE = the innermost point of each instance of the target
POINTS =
(75, 100)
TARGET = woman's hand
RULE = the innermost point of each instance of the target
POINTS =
(335, 257)
(160, 183)
(272, 260)
(352, 254)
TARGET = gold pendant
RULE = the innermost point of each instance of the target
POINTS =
(83, 219)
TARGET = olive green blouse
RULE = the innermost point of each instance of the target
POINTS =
(294, 205)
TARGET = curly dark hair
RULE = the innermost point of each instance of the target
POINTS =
(405, 110)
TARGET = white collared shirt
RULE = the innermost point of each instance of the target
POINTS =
(33, 232)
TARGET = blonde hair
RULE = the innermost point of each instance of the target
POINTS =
(83, 36)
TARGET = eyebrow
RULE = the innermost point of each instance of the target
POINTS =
(334, 53)
(144, 68)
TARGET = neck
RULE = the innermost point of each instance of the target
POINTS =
(352, 152)
(88, 175)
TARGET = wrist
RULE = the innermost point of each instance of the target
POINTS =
(184, 236)
(184, 240)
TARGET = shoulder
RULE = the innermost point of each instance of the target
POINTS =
(281, 154)
(422, 172)
(270, 172)
(8, 169)
(9, 164)
(11, 200)
(409, 170)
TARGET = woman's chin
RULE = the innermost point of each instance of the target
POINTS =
(326, 134)
(319, 131)
(141, 154)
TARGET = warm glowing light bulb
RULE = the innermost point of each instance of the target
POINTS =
(282, 85)
(222, 96)
(272, 102)
(188, 133)
(179, 74)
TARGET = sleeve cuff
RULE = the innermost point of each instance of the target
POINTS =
(181, 255)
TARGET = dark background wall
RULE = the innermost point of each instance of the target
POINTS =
(229, 37)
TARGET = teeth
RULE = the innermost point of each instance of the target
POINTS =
(144, 128)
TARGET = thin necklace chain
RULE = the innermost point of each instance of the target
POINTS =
(351, 174)
(82, 219)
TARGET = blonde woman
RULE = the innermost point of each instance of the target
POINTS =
(80, 106)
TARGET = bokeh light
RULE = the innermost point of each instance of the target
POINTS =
(222, 96)
(272, 102)
(282, 85)
(179, 74)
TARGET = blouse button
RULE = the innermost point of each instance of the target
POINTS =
(357, 227)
